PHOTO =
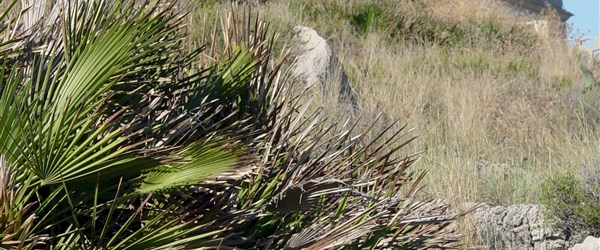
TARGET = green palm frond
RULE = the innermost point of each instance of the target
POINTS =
(58, 119)
(200, 160)
(111, 97)
(130, 224)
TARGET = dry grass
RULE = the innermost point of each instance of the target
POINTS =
(487, 135)
(464, 10)
(493, 123)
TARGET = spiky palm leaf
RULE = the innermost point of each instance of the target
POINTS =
(341, 191)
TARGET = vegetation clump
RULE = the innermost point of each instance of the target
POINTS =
(574, 202)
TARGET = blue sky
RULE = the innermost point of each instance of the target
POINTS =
(586, 17)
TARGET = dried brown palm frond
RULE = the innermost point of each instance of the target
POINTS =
(347, 191)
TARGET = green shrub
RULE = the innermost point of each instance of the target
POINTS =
(366, 19)
(572, 202)
(523, 66)
(561, 81)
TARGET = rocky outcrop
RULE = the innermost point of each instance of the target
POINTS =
(317, 65)
(590, 243)
(518, 227)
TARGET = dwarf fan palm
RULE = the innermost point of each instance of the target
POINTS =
(99, 106)
(103, 111)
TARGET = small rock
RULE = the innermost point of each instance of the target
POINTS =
(590, 243)
(317, 64)
(518, 226)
